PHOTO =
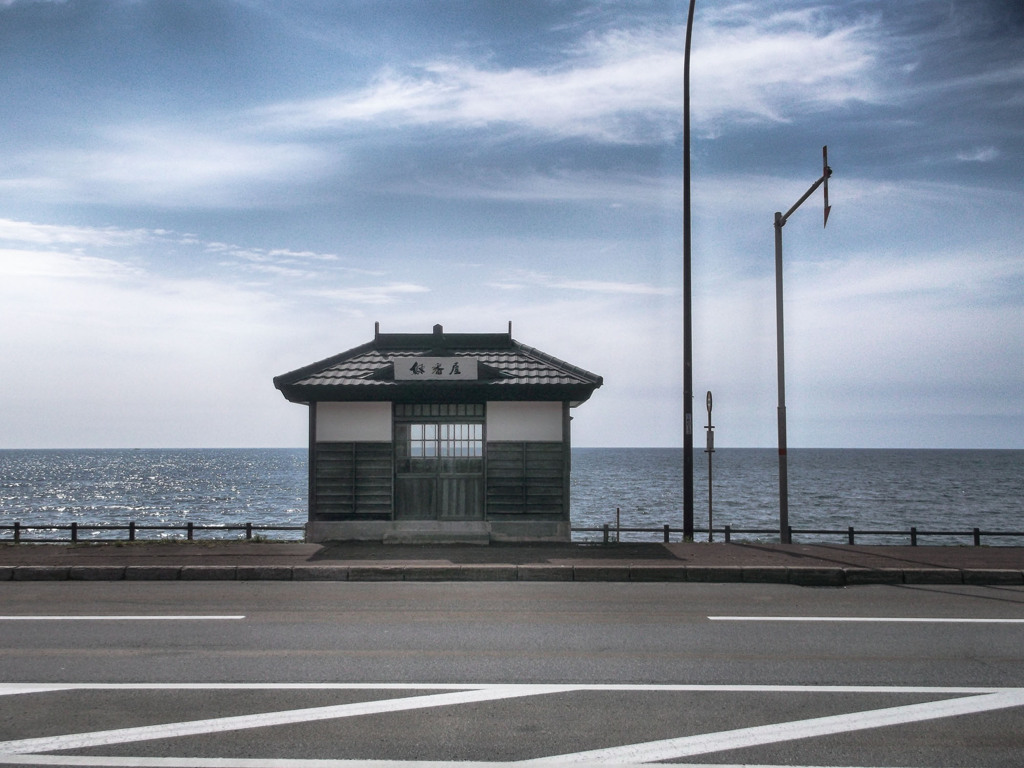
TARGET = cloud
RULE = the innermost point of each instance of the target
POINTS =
(750, 65)
(174, 166)
(978, 155)
(596, 105)
(929, 335)
(622, 87)
(50, 234)
(108, 254)
(612, 187)
(371, 294)
(32, 264)
(938, 278)
(865, 336)
(980, 83)
(532, 280)
(99, 351)
(541, 148)
(276, 262)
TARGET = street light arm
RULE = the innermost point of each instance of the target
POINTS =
(808, 193)
(780, 220)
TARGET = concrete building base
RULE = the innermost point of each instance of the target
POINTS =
(438, 532)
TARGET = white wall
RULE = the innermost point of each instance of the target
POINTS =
(353, 422)
(513, 421)
(371, 422)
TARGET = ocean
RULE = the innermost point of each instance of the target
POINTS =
(831, 489)
(892, 490)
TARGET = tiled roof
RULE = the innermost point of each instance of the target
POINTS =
(507, 370)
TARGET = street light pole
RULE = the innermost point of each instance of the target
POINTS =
(781, 359)
(780, 222)
(687, 318)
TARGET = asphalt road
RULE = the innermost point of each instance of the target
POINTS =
(257, 674)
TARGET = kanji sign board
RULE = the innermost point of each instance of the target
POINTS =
(435, 368)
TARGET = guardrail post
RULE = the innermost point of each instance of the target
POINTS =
(131, 530)
(248, 530)
(606, 527)
(789, 534)
(17, 532)
(849, 535)
(74, 532)
(191, 525)
(666, 533)
(977, 537)
(728, 533)
(913, 536)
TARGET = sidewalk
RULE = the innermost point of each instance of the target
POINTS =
(803, 564)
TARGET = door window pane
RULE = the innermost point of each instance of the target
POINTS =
(423, 441)
(461, 441)
(431, 447)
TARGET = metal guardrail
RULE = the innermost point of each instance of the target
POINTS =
(15, 533)
(133, 529)
(850, 533)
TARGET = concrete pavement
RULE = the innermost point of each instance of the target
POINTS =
(802, 564)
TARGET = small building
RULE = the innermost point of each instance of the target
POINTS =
(443, 437)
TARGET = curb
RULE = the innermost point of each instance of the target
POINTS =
(719, 574)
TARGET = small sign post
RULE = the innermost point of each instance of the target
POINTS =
(710, 450)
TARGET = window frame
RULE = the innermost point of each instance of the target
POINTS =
(439, 438)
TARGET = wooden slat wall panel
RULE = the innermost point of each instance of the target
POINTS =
(353, 481)
(525, 479)
(460, 497)
(506, 478)
(414, 497)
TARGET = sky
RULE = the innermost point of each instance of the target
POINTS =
(199, 195)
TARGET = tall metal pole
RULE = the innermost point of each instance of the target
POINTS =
(780, 222)
(781, 357)
(709, 451)
(687, 319)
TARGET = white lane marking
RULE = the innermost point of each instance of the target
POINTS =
(702, 744)
(202, 762)
(193, 617)
(219, 762)
(1012, 697)
(541, 687)
(11, 689)
(265, 719)
(901, 619)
